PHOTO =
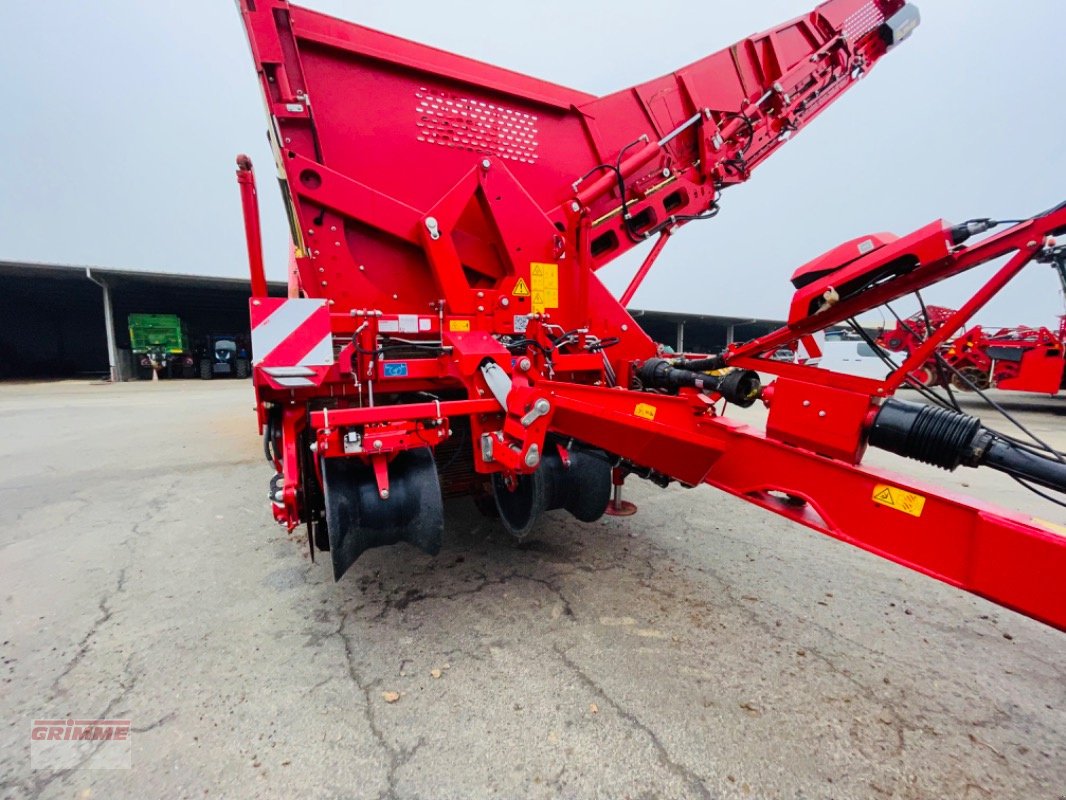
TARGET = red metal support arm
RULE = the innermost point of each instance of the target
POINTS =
(932, 341)
(1010, 559)
(930, 259)
(645, 268)
(252, 234)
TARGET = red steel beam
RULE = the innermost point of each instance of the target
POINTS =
(1011, 559)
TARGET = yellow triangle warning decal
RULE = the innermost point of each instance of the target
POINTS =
(520, 288)
(899, 499)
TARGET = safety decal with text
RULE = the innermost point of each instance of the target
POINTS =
(544, 283)
(458, 325)
(645, 411)
(899, 499)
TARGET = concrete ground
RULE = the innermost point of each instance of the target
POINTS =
(701, 649)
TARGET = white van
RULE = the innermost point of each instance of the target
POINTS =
(851, 357)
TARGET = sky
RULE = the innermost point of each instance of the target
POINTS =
(123, 119)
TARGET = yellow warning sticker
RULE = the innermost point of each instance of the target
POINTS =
(458, 325)
(544, 282)
(645, 411)
(899, 499)
(520, 288)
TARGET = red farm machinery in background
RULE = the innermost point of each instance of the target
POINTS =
(446, 333)
(1020, 359)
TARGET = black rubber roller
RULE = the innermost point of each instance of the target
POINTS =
(583, 490)
(358, 518)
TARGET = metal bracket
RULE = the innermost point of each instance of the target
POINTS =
(488, 443)
(499, 382)
(540, 409)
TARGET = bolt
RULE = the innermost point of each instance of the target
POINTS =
(384, 494)
(333, 227)
(524, 364)
(433, 228)
(485, 164)
(481, 308)
(314, 447)
(480, 294)
(666, 172)
(624, 328)
(821, 413)
(575, 206)
(377, 444)
(504, 302)
(279, 497)
(532, 456)
(362, 268)
(542, 406)
(395, 297)
(310, 231)
(806, 403)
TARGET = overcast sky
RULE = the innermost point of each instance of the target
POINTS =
(123, 118)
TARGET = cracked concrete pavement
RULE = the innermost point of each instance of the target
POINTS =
(701, 649)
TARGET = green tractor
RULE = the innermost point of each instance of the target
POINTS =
(160, 346)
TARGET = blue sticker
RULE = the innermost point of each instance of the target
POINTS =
(397, 369)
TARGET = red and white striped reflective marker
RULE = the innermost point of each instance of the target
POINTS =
(290, 338)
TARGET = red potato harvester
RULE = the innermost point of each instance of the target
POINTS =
(446, 333)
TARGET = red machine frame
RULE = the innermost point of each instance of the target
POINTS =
(1020, 359)
(448, 219)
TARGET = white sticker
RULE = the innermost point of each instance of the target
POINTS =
(521, 322)
(425, 324)
(408, 323)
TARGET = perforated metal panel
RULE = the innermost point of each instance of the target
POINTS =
(866, 19)
(468, 124)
